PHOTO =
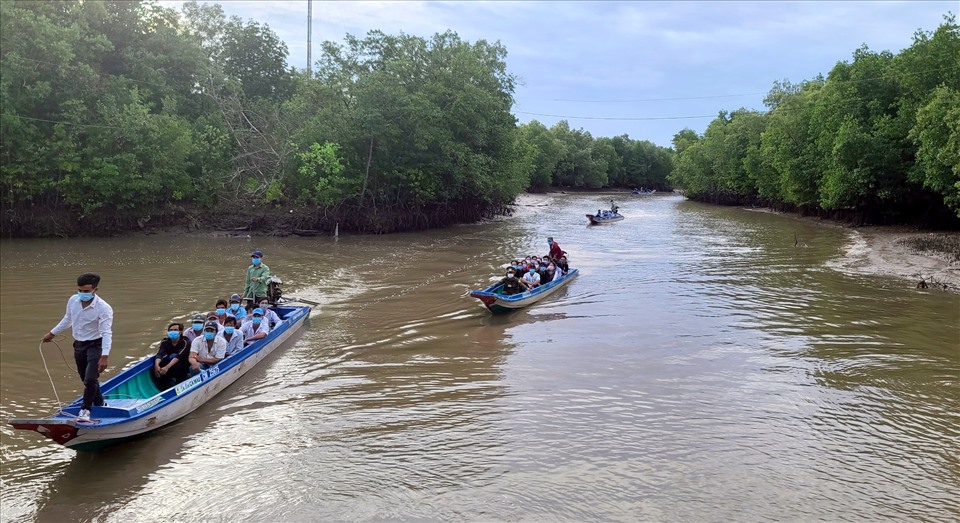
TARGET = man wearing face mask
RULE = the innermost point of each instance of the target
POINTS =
(91, 321)
(196, 328)
(170, 364)
(235, 309)
(555, 251)
(269, 314)
(233, 335)
(512, 285)
(208, 349)
(256, 328)
(258, 274)
(531, 278)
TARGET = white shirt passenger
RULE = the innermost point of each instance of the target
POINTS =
(249, 331)
(94, 321)
(531, 279)
(199, 347)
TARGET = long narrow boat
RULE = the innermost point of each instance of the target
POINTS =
(604, 218)
(135, 405)
(498, 303)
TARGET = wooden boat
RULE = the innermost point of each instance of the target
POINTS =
(135, 405)
(498, 303)
(638, 191)
(607, 217)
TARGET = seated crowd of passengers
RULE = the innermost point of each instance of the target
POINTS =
(211, 338)
(532, 272)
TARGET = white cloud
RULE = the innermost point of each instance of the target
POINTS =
(626, 50)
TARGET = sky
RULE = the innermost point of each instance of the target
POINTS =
(645, 69)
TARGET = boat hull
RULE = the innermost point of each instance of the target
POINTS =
(499, 304)
(132, 418)
(600, 221)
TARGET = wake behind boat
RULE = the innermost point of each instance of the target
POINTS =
(136, 406)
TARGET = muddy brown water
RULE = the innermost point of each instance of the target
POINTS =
(701, 368)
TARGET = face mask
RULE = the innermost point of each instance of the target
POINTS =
(532, 271)
(173, 335)
(85, 296)
(511, 275)
(256, 321)
(255, 261)
(198, 327)
(209, 335)
(221, 312)
(234, 307)
(263, 306)
(228, 330)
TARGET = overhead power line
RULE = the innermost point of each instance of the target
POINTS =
(886, 76)
(650, 99)
(628, 118)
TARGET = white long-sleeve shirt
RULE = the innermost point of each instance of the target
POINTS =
(94, 321)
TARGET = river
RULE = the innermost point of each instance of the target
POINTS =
(709, 364)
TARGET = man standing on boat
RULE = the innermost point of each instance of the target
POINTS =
(258, 274)
(555, 251)
(91, 321)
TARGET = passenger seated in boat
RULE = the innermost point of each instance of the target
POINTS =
(542, 272)
(545, 275)
(531, 278)
(233, 335)
(553, 273)
(195, 330)
(562, 265)
(213, 317)
(235, 309)
(171, 365)
(269, 314)
(511, 284)
(208, 349)
(256, 328)
(221, 311)
(248, 313)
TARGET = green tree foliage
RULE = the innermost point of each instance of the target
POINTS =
(877, 135)
(125, 106)
(937, 135)
(566, 157)
(420, 121)
(321, 176)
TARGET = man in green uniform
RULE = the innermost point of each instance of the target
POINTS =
(258, 274)
(511, 284)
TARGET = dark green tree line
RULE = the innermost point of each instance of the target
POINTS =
(565, 157)
(877, 137)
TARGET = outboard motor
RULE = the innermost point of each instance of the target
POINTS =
(274, 293)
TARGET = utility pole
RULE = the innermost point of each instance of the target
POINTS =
(309, 38)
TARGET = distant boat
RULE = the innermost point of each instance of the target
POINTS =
(498, 303)
(641, 192)
(135, 405)
(605, 217)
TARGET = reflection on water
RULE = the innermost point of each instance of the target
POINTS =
(708, 363)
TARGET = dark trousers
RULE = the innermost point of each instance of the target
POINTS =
(87, 354)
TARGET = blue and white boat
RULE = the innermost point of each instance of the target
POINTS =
(136, 406)
(604, 217)
(498, 303)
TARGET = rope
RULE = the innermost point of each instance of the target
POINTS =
(50, 377)
(54, 387)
